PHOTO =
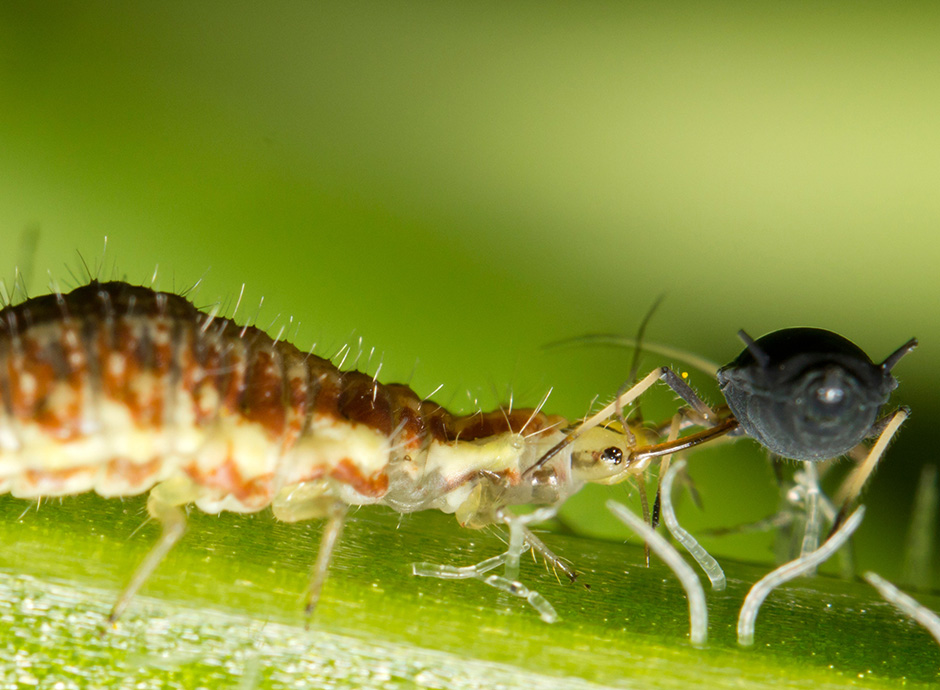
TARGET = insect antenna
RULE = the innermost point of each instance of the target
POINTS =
(762, 358)
(892, 359)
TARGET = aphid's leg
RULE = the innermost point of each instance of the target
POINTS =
(708, 564)
(645, 508)
(163, 504)
(922, 531)
(855, 482)
(673, 434)
(813, 518)
(788, 571)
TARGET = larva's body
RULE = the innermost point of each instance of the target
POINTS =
(120, 389)
(115, 388)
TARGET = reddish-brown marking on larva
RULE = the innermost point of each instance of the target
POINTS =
(31, 378)
(254, 493)
(375, 485)
(486, 424)
(296, 412)
(134, 474)
(413, 429)
(53, 482)
(363, 401)
(263, 397)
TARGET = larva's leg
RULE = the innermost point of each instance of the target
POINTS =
(554, 561)
(855, 482)
(331, 534)
(479, 571)
(521, 539)
(163, 504)
(308, 501)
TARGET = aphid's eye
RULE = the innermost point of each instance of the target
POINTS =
(612, 455)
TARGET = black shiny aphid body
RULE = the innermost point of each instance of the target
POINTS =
(807, 393)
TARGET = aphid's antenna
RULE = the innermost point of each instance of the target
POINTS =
(892, 359)
(759, 355)
(701, 363)
(640, 334)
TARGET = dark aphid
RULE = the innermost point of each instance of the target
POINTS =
(807, 393)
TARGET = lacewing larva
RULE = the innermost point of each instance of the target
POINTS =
(121, 390)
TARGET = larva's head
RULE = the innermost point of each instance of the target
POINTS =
(602, 455)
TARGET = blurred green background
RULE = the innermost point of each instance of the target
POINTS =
(459, 184)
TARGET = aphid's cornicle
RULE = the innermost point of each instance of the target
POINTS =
(120, 389)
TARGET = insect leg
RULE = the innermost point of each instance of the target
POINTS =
(855, 482)
(331, 534)
(521, 538)
(308, 501)
(163, 504)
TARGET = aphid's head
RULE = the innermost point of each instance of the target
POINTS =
(807, 393)
(601, 455)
